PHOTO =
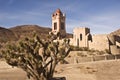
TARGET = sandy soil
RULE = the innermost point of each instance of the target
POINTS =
(9, 73)
(99, 70)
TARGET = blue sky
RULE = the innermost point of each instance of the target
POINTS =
(101, 16)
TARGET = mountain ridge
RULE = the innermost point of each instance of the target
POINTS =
(22, 31)
(28, 30)
(6, 35)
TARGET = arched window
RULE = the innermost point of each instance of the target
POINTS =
(55, 26)
(80, 37)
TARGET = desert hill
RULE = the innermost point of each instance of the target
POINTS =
(117, 32)
(117, 35)
(6, 35)
(21, 31)
(28, 30)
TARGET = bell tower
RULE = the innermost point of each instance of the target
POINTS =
(58, 23)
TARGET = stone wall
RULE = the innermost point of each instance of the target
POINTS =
(80, 36)
(117, 39)
(114, 50)
(75, 57)
(118, 43)
(99, 42)
(73, 60)
(58, 22)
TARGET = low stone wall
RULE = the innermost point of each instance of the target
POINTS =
(117, 57)
(110, 57)
(72, 60)
(84, 59)
(99, 58)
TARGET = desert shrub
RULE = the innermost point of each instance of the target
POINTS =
(92, 50)
(101, 52)
(84, 48)
(38, 58)
(107, 51)
(77, 48)
(81, 55)
(1, 45)
(3, 40)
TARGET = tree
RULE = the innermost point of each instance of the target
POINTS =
(38, 58)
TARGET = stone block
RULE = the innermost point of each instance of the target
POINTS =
(110, 57)
(99, 58)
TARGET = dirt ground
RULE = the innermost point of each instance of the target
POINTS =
(99, 70)
(9, 73)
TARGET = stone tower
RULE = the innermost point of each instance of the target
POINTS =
(58, 23)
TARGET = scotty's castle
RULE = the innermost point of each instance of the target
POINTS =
(82, 36)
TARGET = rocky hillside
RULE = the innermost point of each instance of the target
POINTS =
(6, 35)
(19, 32)
(28, 30)
(117, 32)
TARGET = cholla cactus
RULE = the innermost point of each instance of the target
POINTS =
(37, 57)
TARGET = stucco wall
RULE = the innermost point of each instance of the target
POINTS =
(99, 42)
(80, 41)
